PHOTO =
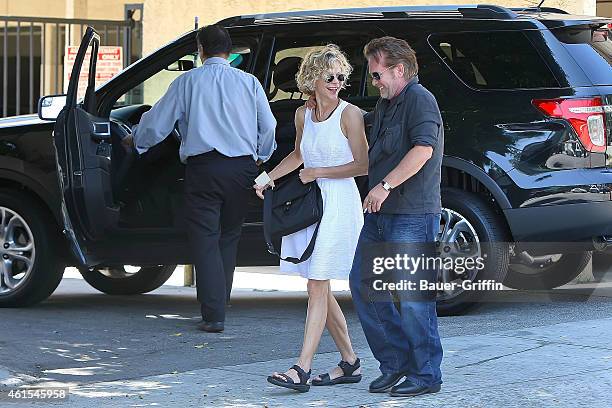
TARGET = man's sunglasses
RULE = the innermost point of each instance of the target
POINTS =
(378, 75)
(330, 77)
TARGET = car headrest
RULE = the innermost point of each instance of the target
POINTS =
(284, 74)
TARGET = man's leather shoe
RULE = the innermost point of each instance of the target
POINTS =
(409, 389)
(211, 327)
(385, 382)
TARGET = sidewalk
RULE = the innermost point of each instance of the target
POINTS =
(562, 365)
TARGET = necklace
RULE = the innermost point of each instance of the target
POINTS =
(328, 116)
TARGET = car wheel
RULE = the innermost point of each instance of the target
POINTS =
(127, 279)
(469, 227)
(545, 272)
(602, 261)
(29, 269)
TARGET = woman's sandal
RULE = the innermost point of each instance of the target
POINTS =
(288, 382)
(347, 378)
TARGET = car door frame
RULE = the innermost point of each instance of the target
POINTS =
(81, 139)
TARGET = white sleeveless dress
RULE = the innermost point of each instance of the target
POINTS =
(324, 145)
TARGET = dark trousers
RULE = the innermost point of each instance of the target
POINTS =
(217, 191)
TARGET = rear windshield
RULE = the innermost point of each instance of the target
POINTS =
(591, 47)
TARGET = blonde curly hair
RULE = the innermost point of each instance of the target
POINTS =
(318, 62)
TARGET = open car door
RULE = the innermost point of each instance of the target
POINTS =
(83, 152)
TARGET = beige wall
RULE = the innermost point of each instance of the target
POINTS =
(604, 8)
(33, 8)
(91, 9)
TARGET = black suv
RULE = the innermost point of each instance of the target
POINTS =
(526, 96)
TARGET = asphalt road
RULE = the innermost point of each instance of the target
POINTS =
(80, 336)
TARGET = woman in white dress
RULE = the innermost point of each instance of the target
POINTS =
(331, 143)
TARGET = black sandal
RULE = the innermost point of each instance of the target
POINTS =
(288, 382)
(348, 377)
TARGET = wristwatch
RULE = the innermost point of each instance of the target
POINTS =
(386, 185)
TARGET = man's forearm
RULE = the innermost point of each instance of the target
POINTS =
(145, 138)
(410, 165)
(266, 144)
(157, 123)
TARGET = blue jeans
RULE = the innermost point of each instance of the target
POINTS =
(405, 340)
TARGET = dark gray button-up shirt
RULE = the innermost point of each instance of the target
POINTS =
(412, 118)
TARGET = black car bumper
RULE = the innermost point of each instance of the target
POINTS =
(571, 223)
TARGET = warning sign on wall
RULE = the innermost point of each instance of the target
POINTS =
(109, 64)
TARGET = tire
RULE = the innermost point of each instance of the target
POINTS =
(33, 230)
(559, 270)
(117, 280)
(602, 261)
(493, 237)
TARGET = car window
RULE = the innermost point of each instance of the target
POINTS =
(493, 60)
(591, 49)
(152, 89)
(288, 56)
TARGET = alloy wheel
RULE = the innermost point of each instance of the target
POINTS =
(457, 239)
(17, 250)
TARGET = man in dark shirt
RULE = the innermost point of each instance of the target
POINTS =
(403, 206)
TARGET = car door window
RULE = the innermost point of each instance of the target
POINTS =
(153, 88)
(288, 56)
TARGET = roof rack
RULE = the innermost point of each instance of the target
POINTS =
(538, 10)
(480, 11)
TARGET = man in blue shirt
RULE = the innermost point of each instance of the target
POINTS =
(227, 127)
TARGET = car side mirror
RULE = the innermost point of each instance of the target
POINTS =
(49, 107)
(181, 66)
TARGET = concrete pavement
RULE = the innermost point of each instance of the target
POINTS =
(562, 365)
(542, 349)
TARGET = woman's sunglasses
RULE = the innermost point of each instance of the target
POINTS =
(377, 75)
(330, 77)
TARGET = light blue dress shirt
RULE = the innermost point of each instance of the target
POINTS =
(217, 107)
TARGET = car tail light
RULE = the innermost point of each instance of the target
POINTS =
(585, 115)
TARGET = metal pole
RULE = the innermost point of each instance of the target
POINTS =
(57, 56)
(18, 70)
(188, 275)
(189, 270)
(43, 70)
(31, 67)
(126, 44)
(5, 72)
